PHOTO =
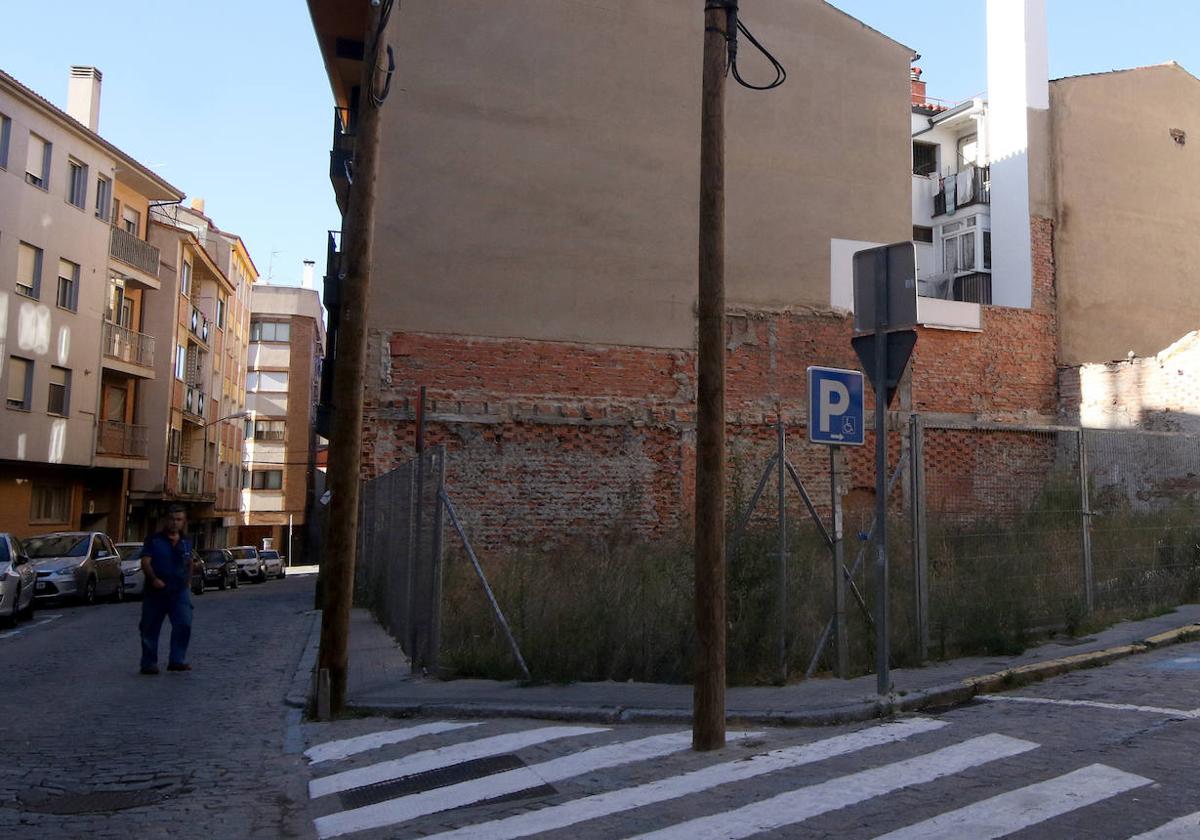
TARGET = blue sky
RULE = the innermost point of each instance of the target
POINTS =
(228, 99)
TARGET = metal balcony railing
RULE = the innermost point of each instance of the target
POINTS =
(122, 439)
(199, 325)
(341, 156)
(978, 189)
(127, 248)
(189, 481)
(193, 401)
(128, 345)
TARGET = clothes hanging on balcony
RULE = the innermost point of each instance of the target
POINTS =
(950, 189)
(966, 185)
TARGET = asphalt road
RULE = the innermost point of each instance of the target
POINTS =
(179, 755)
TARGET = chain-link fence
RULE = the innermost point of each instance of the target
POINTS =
(398, 574)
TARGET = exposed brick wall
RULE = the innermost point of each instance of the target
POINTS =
(550, 439)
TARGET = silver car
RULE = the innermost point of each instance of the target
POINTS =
(16, 581)
(272, 563)
(131, 567)
(81, 565)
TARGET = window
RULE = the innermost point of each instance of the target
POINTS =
(185, 279)
(5, 133)
(987, 250)
(68, 284)
(103, 198)
(221, 311)
(180, 362)
(58, 401)
(267, 380)
(921, 233)
(174, 445)
(20, 383)
(77, 180)
(131, 220)
(51, 503)
(269, 429)
(961, 250)
(968, 151)
(266, 480)
(924, 158)
(270, 331)
(29, 270)
(37, 162)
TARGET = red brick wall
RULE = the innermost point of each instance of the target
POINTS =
(550, 439)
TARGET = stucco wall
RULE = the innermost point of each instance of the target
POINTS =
(1128, 211)
(550, 192)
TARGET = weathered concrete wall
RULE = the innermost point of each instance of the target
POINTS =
(550, 192)
(1128, 208)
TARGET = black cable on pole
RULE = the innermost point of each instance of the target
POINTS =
(378, 97)
(732, 28)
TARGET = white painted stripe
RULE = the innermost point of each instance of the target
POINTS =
(1010, 812)
(442, 757)
(1094, 704)
(416, 805)
(346, 747)
(663, 790)
(1184, 828)
(807, 802)
(41, 621)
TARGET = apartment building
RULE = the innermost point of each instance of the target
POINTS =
(76, 276)
(287, 342)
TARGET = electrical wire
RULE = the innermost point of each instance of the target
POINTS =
(733, 26)
(378, 97)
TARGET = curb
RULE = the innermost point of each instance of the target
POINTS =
(300, 691)
(941, 697)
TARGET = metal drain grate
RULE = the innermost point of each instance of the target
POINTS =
(100, 801)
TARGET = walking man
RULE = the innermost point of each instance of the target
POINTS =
(167, 565)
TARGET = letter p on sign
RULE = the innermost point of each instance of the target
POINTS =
(835, 406)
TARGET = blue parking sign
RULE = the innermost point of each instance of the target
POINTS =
(835, 406)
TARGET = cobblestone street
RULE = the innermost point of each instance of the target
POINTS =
(201, 754)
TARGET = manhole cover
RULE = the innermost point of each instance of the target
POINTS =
(89, 803)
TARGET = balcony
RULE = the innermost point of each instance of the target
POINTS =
(121, 440)
(193, 403)
(971, 186)
(964, 287)
(333, 271)
(341, 157)
(134, 351)
(198, 325)
(134, 252)
(190, 481)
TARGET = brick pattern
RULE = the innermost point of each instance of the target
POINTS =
(550, 439)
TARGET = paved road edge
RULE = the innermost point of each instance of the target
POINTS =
(301, 688)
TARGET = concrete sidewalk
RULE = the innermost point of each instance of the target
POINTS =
(379, 682)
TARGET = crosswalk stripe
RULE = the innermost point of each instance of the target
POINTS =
(422, 762)
(807, 802)
(1009, 812)
(433, 801)
(707, 778)
(1093, 704)
(1184, 828)
(346, 747)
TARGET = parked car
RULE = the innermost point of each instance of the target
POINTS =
(17, 580)
(272, 563)
(220, 569)
(131, 567)
(83, 565)
(250, 565)
(197, 573)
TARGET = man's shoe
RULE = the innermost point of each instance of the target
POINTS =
(149, 670)
(180, 667)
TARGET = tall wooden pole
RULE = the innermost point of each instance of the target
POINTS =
(708, 715)
(345, 446)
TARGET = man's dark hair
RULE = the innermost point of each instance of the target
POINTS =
(176, 508)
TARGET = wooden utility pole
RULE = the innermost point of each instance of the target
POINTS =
(708, 714)
(345, 446)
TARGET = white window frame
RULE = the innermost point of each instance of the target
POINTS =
(185, 279)
(180, 362)
(974, 226)
(254, 381)
(103, 198)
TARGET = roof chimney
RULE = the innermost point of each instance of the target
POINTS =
(83, 96)
(918, 88)
(198, 205)
(306, 281)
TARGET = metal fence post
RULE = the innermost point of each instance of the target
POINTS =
(841, 667)
(1086, 523)
(432, 654)
(781, 568)
(920, 548)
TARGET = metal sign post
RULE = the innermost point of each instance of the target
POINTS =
(885, 310)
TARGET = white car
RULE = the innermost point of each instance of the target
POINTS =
(250, 565)
(17, 580)
(272, 562)
(131, 567)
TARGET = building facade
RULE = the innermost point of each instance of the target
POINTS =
(287, 342)
(78, 271)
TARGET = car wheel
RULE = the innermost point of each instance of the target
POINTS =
(26, 613)
(89, 592)
(15, 616)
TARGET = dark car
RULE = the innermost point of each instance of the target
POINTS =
(220, 569)
(197, 574)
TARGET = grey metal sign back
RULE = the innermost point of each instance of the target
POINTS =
(898, 263)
